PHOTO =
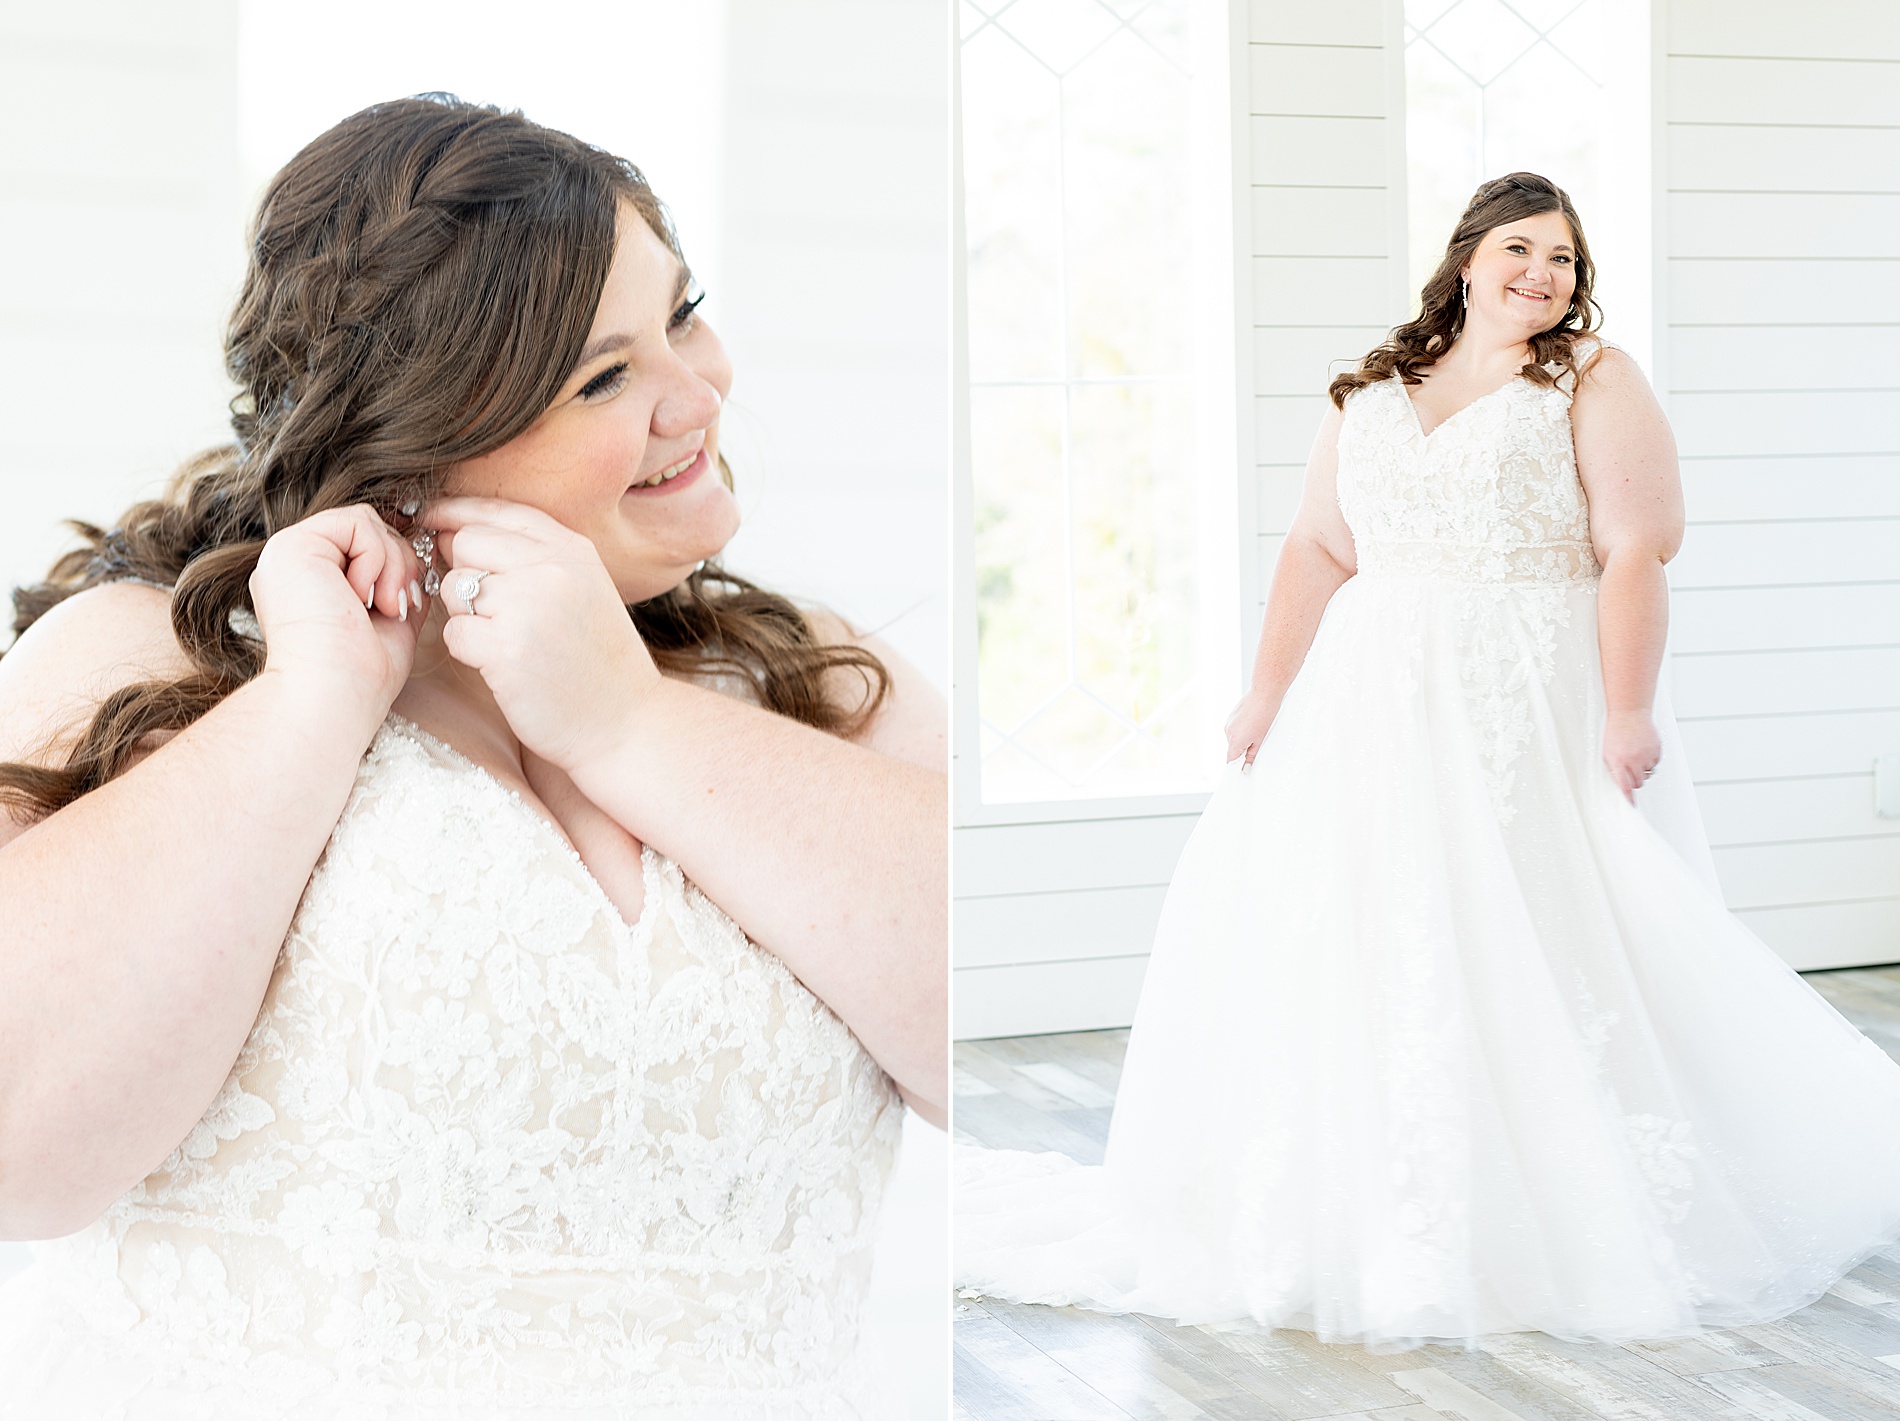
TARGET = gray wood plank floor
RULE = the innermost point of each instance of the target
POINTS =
(1838, 1360)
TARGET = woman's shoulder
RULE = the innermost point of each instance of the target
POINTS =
(913, 723)
(81, 651)
(1606, 372)
(1592, 359)
(73, 657)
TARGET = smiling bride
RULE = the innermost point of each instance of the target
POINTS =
(463, 949)
(1443, 1034)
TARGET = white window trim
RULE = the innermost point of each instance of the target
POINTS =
(966, 779)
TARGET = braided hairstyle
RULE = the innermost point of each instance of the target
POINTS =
(422, 280)
(1419, 343)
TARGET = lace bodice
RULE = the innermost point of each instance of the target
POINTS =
(489, 1144)
(1491, 495)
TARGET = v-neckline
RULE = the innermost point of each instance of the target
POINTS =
(1419, 424)
(543, 825)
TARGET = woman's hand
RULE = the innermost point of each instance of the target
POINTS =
(548, 631)
(339, 593)
(1631, 748)
(1247, 727)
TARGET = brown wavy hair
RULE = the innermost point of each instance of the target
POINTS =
(1419, 343)
(422, 280)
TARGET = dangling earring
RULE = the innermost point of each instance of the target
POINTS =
(1464, 292)
(424, 544)
(423, 541)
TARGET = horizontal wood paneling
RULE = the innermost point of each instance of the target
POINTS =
(1284, 426)
(1806, 225)
(1057, 927)
(1319, 291)
(1820, 743)
(1323, 80)
(1069, 855)
(1845, 486)
(122, 239)
(48, 96)
(1830, 934)
(1836, 29)
(1752, 291)
(1303, 360)
(1783, 245)
(1347, 22)
(1779, 553)
(1781, 91)
(1777, 682)
(164, 286)
(116, 32)
(1764, 619)
(1785, 421)
(1788, 358)
(1301, 151)
(1783, 159)
(1774, 811)
(1339, 222)
(1037, 998)
(1820, 871)
(1277, 496)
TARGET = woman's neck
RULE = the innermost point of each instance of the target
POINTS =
(1483, 349)
(452, 702)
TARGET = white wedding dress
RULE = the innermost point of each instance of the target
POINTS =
(1440, 1037)
(489, 1152)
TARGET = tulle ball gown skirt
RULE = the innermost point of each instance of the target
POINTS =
(1441, 1037)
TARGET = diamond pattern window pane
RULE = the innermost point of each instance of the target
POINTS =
(1495, 86)
(1085, 431)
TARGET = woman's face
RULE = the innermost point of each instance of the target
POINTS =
(1523, 274)
(628, 452)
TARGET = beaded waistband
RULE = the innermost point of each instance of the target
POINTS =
(1534, 563)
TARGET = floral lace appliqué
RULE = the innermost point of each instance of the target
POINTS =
(489, 1144)
(1490, 505)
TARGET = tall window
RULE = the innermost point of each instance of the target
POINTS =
(1096, 188)
(1558, 87)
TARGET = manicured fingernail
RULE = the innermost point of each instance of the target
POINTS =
(369, 602)
(402, 604)
(415, 593)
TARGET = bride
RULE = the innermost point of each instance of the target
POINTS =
(463, 950)
(1443, 1034)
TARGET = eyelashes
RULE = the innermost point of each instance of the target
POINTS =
(1519, 249)
(607, 382)
(610, 380)
(683, 317)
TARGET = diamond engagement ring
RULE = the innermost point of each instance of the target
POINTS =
(467, 587)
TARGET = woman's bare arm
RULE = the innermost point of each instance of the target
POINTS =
(830, 855)
(142, 921)
(913, 724)
(1626, 459)
(1315, 560)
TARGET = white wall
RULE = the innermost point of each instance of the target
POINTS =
(1780, 156)
(1053, 920)
(119, 236)
(837, 307)
(804, 151)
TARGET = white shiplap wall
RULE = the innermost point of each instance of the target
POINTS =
(1054, 920)
(1780, 164)
(1327, 166)
(835, 308)
(122, 239)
